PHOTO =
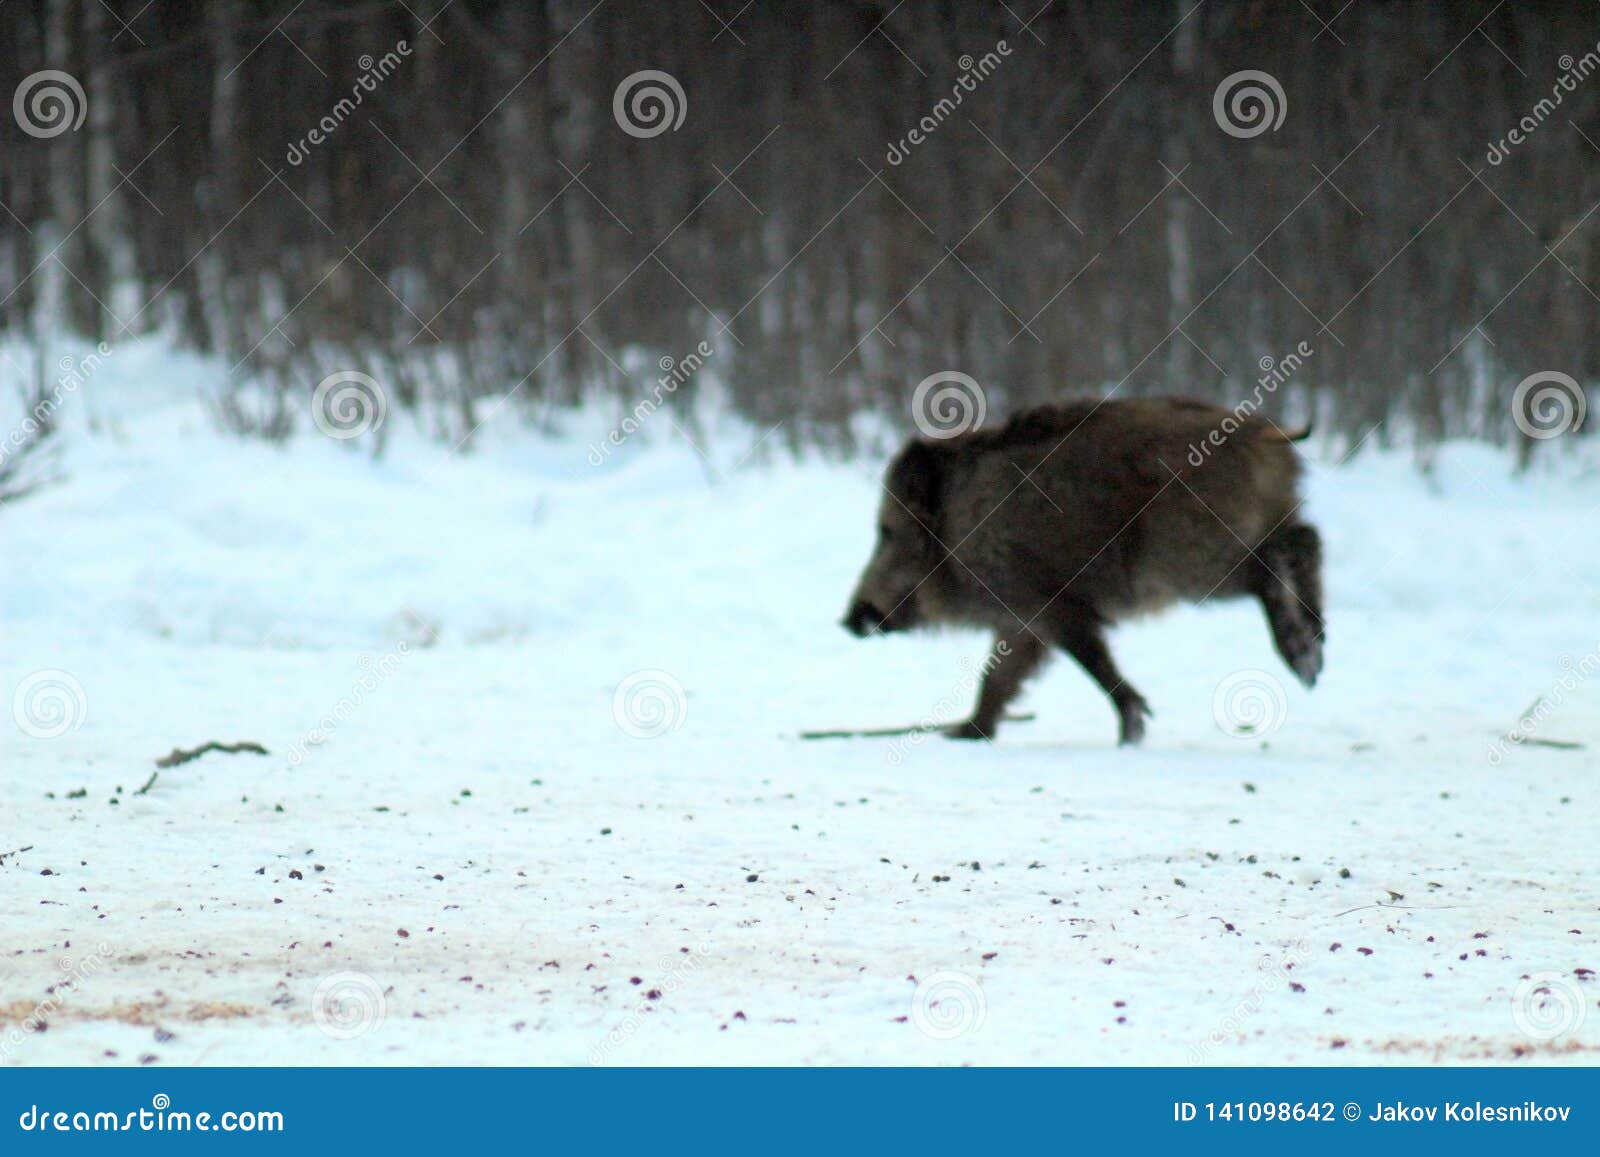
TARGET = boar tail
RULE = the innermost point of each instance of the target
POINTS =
(1290, 433)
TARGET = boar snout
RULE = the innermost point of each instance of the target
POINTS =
(862, 619)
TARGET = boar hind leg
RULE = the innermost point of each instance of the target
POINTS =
(1289, 584)
(1015, 657)
(1085, 641)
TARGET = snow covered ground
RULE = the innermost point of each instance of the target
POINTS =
(535, 792)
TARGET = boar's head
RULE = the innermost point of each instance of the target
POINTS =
(897, 587)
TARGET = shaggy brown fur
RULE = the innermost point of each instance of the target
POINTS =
(1071, 517)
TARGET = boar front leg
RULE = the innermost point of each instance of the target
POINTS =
(1015, 656)
(1085, 641)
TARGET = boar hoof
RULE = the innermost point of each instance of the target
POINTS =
(1133, 715)
(968, 730)
(1308, 662)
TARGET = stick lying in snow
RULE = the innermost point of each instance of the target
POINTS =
(179, 755)
(1535, 741)
(886, 732)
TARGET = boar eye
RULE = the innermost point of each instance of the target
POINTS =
(884, 533)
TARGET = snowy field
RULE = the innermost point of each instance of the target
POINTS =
(468, 846)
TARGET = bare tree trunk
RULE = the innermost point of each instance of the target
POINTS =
(214, 267)
(110, 270)
(1180, 212)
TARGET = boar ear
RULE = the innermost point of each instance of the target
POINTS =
(917, 480)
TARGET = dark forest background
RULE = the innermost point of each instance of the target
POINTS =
(1080, 222)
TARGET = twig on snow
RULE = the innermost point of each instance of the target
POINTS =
(179, 755)
(887, 732)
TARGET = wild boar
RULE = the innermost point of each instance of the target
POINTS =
(1069, 518)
